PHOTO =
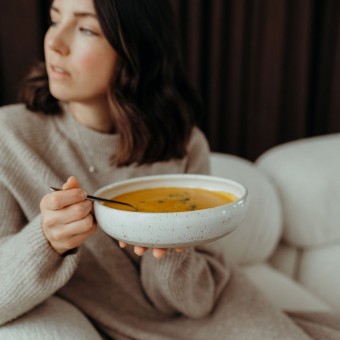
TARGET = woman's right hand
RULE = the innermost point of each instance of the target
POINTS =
(67, 219)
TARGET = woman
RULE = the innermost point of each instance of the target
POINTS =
(111, 102)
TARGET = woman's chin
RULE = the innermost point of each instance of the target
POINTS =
(69, 94)
(63, 96)
(58, 94)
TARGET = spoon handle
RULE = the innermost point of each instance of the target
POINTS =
(95, 198)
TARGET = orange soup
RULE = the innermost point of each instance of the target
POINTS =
(160, 200)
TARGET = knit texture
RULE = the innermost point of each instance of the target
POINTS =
(190, 295)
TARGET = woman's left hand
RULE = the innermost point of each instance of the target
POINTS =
(157, 252)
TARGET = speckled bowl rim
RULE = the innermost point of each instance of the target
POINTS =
(153, 178)
(178, 180)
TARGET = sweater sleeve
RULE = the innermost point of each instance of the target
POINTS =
(187, 283)
(30, 270)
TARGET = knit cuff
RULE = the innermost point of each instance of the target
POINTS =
(40, 251)
(171, 263)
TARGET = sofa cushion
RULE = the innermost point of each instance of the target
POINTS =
(285, 293)
(257, 236)
(307, 175)
(319, 273)
(286, 259)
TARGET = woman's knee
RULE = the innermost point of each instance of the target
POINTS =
(53, 319)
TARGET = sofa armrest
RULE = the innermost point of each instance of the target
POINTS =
(306, 174)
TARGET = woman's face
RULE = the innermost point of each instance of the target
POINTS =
(80, 61)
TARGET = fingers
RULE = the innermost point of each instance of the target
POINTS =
(62, 243)
(63, 237)
(65, 231)
(156, 252)
(66, 216)
(60, 199)
(71, 183)
(140, 250)
(122, 244)
(137, 249)
(71, 194)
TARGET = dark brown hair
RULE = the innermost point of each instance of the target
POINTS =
(155, 106)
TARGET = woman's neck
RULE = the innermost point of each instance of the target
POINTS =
(96, 117)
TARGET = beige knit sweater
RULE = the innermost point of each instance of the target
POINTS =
(190, 295)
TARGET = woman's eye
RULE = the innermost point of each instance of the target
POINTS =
(87, 31)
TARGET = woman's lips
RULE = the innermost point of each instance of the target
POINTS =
(58, 72)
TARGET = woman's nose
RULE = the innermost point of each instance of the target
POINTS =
(57, 43)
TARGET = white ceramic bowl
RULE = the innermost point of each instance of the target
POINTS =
(174, 229)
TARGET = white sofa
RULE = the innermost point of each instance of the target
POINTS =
(289, 242)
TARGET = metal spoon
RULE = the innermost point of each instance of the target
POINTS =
(101, 199)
